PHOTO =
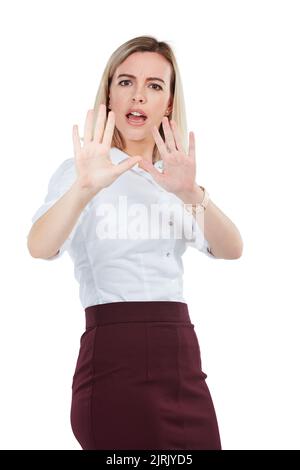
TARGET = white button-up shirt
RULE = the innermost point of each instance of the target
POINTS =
(137, 266)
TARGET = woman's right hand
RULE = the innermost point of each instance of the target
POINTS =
(94, 167)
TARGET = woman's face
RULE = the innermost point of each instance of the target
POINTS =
(151, 96)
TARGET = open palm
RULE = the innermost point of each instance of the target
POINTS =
(94, 168)
(179, 171)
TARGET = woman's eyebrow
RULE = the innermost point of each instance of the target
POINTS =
(132, 76)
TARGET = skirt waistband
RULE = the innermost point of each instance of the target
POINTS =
(136, 311)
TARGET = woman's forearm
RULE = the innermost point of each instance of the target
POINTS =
(50, 231)
(222, 235)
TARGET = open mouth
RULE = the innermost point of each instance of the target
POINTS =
(135, 120)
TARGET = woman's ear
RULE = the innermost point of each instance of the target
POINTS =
(170, 106)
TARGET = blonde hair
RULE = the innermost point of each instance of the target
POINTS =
(144, 44)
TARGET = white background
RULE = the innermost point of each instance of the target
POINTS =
(239, 62)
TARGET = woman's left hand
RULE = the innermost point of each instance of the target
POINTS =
(179, 170)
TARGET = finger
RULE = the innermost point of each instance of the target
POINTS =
(88, 127)
(100, 123)
(159, 142)
(177, 136)
(150, 169)
(109, 129)
(169, 138)
(127, 164)
(76, 142)
(192, 145)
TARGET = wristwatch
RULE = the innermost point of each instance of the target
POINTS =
(204, 203)
(200, 206)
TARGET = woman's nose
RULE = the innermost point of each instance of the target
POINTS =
(138, 95)
(138, 98)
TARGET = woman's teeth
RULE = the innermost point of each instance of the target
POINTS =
(136, 115)
(134, 118)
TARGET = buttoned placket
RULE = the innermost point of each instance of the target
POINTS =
(144, 174)
(121, 155)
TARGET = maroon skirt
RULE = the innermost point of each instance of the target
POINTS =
(138, 381)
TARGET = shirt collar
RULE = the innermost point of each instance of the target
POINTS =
(118, 155)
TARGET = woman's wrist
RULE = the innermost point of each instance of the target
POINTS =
(83, 195)
(194, 196)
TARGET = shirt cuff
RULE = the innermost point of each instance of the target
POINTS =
(198, 240)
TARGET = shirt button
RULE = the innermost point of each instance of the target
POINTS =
(170, 222)
(168, 254)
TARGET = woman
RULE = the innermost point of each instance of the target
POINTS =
(138, 381)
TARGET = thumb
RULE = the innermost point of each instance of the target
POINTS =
(127, 164)
(145, 165)
(150, 168)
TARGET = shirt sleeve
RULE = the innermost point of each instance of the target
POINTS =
(198, 241)
(60, 181)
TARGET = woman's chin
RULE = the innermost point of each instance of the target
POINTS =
(135, 134)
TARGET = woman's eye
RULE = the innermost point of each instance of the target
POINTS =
(159, 87)
(122, 81)
(155, 84)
